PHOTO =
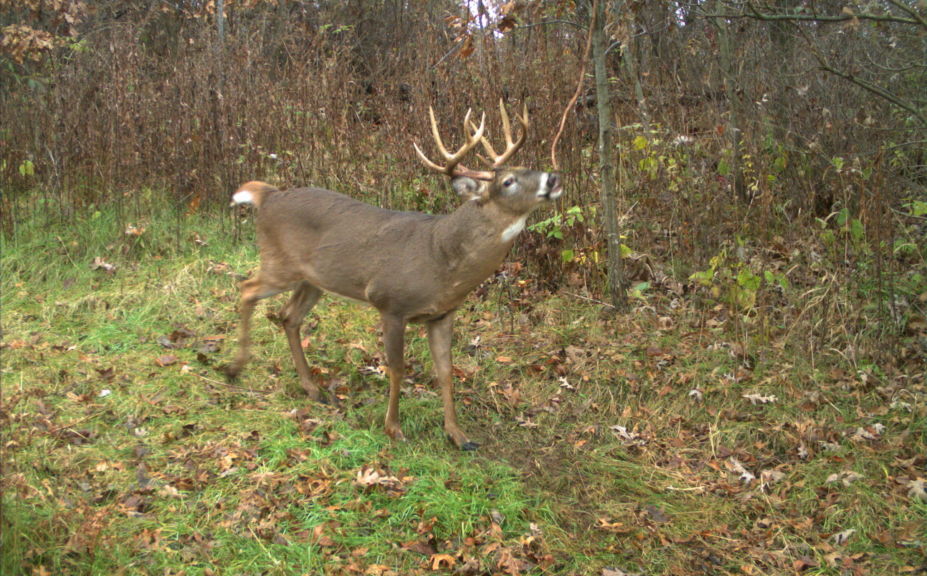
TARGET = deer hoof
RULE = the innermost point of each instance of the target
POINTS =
(462, 443)
(231, 372)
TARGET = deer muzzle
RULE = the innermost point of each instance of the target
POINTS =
(551, 186)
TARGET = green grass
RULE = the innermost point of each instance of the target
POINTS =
(118, 460)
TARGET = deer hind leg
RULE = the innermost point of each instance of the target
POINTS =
(394, 330)
(292, 314)
(440, 335)
(252, 290)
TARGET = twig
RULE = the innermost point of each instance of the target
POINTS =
(590, 299)
(57, 429)
(877, 90)
(756, 14)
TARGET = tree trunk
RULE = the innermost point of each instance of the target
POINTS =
(629, 58)
(616, 279)
(730, 76)
(220, 20)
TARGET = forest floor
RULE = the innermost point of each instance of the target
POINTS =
(661, 441)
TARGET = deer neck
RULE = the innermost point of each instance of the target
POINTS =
(477, 236)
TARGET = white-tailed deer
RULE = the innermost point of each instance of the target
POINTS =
(411, 267)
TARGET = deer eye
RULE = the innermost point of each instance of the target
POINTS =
(508, 181)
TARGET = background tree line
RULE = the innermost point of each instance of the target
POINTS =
(765, 153)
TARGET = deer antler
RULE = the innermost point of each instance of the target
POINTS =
(511, 147)
(452, 166)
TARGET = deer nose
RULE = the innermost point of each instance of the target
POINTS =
(554, 186)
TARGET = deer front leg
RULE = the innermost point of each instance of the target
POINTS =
(252, 290)
(394, 330)
(440, 336)
(304, 298)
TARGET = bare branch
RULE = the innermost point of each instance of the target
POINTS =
(877, 90)
(754, 12)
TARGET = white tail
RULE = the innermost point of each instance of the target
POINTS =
(412, 267)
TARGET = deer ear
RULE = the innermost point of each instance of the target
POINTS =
(469, 189)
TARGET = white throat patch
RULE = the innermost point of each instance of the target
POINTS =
(514, 229)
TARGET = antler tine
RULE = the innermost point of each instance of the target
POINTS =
(453, 160)
(506, 124)
(426, 161)
(436, 134)
(510, 146)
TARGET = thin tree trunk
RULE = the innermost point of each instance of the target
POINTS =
(220, 20)
(629, 57)
(616, 279)
(730, 75)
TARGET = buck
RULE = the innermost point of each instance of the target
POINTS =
(412, 267)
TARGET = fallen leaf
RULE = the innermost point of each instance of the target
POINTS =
(100, 264)
(614, 527)
(770, 477)
(442, 561)
(841, 538)
(745, 475)
(656, 514)
(760, 399)
(871, 433)
(420, 547)
(846, 477)
(629, 438)
(917, 490)
(368, 477)
(618, 572)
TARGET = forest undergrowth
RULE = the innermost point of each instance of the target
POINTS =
(705, 431)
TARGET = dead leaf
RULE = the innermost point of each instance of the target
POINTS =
(166, 360)
(442, 561)
(916, 490)
(760, 399)
(656, 515)
(178, 338)
(368, 477)
(101, 264)
(870, 433)
(618, 572)
(320, 538)
(770, 477)
(496, 516)
(745, 475)
(628, 438)
(420, 547)
(614, 527)
(846, 477)
(509, 563)
(841, 538)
